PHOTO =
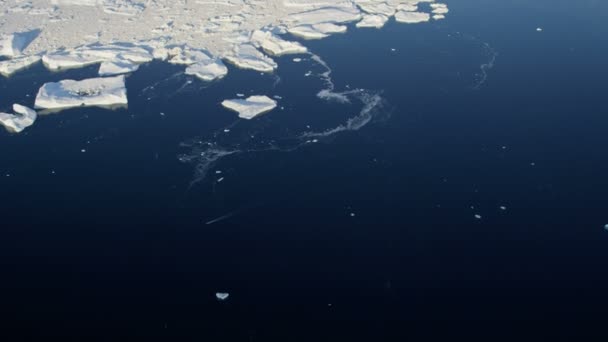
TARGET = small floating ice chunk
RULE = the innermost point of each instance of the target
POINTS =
(477, 216)
(438, 17)
(222, 296)
(411, 17)
(297, 60)
(438, 8)
(101, 92)
(503, 208)
(539, 29)
(606, 227)
(208, 70)
(250, 107)
(16, 123)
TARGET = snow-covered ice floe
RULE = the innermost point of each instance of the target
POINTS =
(99, 92)
(250, 107)
(20, 120)
(222, 296)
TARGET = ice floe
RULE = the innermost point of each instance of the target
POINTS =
(274, 45)
(411, 17)
(20, 120)
(100, 92)
(208, 70)
(250, 107)
(222, 296)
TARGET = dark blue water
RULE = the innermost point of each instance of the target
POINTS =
(112, 244)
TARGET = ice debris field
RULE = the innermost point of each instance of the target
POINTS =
(120, 35)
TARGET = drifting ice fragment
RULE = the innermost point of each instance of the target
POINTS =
(411, 17)
(477, 216)
(208, 70)
(222, 296)
(100, 92)
(250, 107)
(23, 118)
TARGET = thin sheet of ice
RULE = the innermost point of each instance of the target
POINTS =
(101, 92)
(250, 107)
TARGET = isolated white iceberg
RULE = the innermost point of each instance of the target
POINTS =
(102, 92)
(250, 107)
(20, 120)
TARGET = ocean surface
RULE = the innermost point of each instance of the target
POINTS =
(466, 195)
